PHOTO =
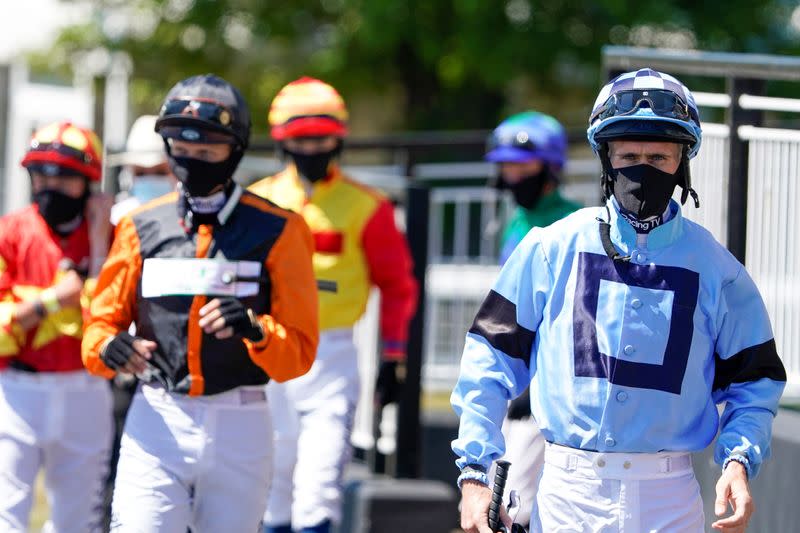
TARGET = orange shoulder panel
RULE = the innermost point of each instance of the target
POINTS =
(292, 327)
(113, 307)
(263, 204)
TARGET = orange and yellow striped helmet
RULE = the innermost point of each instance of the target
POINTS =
(63, 147)
(307, 107)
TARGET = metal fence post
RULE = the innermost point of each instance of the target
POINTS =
(738, 160)
(408, 413)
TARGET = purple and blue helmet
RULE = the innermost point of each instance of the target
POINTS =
(527, 136)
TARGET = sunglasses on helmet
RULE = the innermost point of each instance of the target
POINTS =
(661, 102)
(202, 108)
(518, 139)
(63, 149)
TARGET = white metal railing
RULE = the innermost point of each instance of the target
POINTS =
(453, 294)
(456, 214)
(711, 99)
(748, 101)
(769, 103)
(773, 236)
(710, 180)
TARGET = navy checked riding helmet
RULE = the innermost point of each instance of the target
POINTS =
(645, 105)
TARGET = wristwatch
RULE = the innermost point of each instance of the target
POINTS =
(39, 308)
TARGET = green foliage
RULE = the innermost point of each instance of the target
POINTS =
(436, 64)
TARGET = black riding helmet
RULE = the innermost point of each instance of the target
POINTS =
(205, 108)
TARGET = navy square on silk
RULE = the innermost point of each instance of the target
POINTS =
(591, 362)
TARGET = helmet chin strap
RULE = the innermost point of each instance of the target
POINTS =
(687, 179)
(605, 239)
(605, 174)
(604, 226)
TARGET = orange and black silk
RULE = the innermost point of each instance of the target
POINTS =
(189, 360)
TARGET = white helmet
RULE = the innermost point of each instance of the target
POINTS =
(144, 147)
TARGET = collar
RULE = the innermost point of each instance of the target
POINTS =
(623, 234)
(222, 215)
(225, 213)
(648, 225)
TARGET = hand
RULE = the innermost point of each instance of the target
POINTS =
(68, 290)
(226, 316)
(475, 500)
(98, 217)
(128, 354)
(390, 383)
(732, 488)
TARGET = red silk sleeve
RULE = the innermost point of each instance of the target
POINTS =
(390, 269)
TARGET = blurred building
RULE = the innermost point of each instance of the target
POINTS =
(24, 107)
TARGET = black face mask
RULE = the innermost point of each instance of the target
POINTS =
(528, 191)
(643, 190)
(57, 208)
(199, 177)
(313, 167)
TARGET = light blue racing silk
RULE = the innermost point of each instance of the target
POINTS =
(627, 356)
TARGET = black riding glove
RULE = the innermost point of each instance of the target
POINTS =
(391, 380)
(118, 351)
(242, 319)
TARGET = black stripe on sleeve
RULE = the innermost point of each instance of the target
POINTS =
(751, 364)
(496, 322)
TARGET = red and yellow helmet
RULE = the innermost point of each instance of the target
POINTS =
(63, 147)
(307, 108)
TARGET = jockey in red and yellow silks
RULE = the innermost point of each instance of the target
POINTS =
(53, 415)
(357, 245)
